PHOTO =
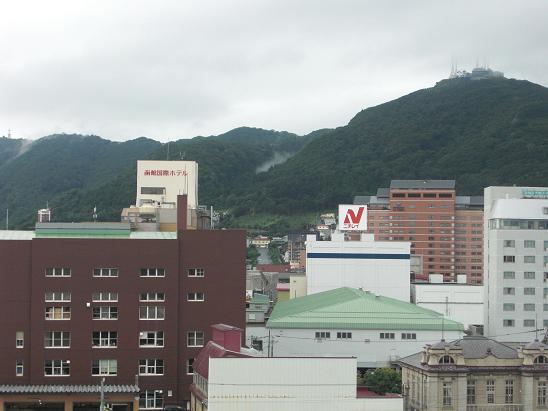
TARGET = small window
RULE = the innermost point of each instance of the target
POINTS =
(445, 195)
(509, 258)
(105, 313)
(344, 335)
(57, 313)
(323, 335)
(408, 336)
(151, 367)
(104, 367)
(509, 291)
(104, 339)
(529, 275)
(153, 272)
(509, 275)
(529, 291)
(490, 391)
(105, 272)
(152, 312)
(195, 272)
(509, 243)
(541, 359)
(57, 339)
(153, 190)
(196, 296)
(508, 307)
(152, 297)
(529, 244)
(54, 297)
(528, 258)
(387, 336)
(508, 323)
(446, 359)
(19, 339)
(528, 307)
(151, 400)
(19, 368)
(151, 339)
(190, 366)
(528, 323)
(56, 368)
(104, 297)
(57, 272)
(195, 339)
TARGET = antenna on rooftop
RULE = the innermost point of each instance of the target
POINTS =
(95, 213)
(9, 132)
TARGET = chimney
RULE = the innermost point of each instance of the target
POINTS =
(227, 336)
(181, 212)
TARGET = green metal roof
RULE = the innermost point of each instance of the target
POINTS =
(349, 308)
(260, 299)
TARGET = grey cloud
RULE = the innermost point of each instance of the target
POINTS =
(172, 69)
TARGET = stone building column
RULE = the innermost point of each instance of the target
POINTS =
(460, 392)
(528, 394)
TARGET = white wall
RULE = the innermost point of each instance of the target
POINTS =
(283, 384)
(384, 276)
(464, 302)
(175, 183)
(496, 201)
(365, 345)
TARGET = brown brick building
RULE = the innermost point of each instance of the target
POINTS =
(80, 302)
(445, 230)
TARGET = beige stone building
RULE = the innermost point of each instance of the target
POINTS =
(476, 374)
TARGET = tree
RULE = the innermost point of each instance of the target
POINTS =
(384, 380)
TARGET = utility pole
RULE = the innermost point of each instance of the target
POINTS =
(102, 406)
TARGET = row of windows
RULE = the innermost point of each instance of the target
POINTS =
(526, 244)
(527, 275)
(103, 296)
(423, 195)
(526, 259)
(526, 323)
(61, 368)
(109, 339)
(146, 312)
(113, 272)
(490, 398)
(526, 291)
(526, 307)
(346, 335)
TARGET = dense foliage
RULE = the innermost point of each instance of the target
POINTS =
(481, 133)
(383, 380)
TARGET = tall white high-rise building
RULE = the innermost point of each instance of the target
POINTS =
(515, 262)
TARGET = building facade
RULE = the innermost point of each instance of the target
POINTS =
(349, 322)
(230, 378)
(381, 267)
(445, 230)
(80, 302)
(476, 374)
(460, 302)
(516, 261)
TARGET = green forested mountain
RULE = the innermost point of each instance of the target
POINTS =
(480, 133)
(75, 173)
(55, 164)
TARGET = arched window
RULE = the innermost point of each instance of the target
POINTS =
(541, 359)
(446, 359)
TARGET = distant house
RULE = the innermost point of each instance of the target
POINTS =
(476, 373)
(260, 241)
(350, 322)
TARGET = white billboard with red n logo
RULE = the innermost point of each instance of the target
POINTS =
(352, 217)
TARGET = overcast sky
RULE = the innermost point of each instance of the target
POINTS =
(176, 69)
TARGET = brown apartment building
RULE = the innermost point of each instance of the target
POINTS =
(83, 302)
(445, 229)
